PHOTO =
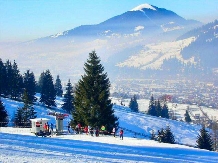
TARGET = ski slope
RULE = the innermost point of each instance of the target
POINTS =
(19, 145)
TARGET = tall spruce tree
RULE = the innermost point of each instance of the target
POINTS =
(204, 140)
(151, 108)
(133, 104)
(165, 111)
(30, 85)
(24, 114)
(68, 100)
(187, 117)
(8, 80)
(168, 136)
(158, 108)
(17, 82)
(92, 104)
(58, 87)
(2, 78)
(48, 93)
(3, 115)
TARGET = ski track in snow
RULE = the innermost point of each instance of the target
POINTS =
(16, 148)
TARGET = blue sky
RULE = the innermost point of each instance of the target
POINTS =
(22, 20)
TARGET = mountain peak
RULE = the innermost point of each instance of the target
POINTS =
(143, 6)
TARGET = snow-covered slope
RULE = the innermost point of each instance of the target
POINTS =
(153, 55)
(19, 145)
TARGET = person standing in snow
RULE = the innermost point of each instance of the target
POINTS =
(86, 130)
(114, 131)
(121, 133)
(68, 127)
(45, 127)
(52, 127)
(96, 131)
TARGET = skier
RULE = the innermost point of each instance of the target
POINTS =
(52, 126)
(68, 127)
(103, 129)
(45, 127)
(96, 131)
(91, 131)
(86, 130)
(79, 128)
(121, 133)
(114, 131)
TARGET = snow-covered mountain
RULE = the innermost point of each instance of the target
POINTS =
(114, 40)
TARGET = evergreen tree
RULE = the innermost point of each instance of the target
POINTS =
(18, 117)
(158, 108)
(152, 109)
(204, 140)
(8, 80)
(58, 87)
(40, 83)
(24, 114)
(30, 85)
(165, 111)
(3, 115)
(168, 136)
(68, 100)
(92, 104)
(48, 93)
(17, 82)
(133, 105)
(2, 78)
(187, 117)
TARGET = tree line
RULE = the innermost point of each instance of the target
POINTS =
(88, 101)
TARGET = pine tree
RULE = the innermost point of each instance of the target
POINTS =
(151, 108)
(158, 108)
(40, 83)
(30, 85)
(48, 93)
(8, 80)
(168, 136)
(58, 87)
(204, 140)
(3, 115)
(164, 112)
(24, 114)
(17, 82)
(92, 104)
(68, 100)
(2, 78)
(187, 117)
(133, 105)
(18, 117)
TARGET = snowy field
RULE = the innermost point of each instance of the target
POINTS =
(20, 146)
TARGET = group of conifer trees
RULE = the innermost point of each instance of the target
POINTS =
(89, 104)
(158, 108)
(23, 88)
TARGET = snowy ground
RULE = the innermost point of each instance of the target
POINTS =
(19, 145)
(85, 148)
